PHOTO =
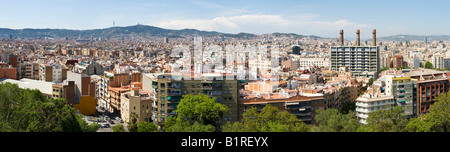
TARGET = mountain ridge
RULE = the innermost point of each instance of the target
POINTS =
(134, 30)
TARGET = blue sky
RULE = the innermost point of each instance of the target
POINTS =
(319, 17)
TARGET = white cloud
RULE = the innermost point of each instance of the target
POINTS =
(308, 24)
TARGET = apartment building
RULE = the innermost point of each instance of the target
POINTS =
(397, 61)
(430, 84)
(138, 102)
(304, 107)
(360, 60)
(7, 71)
(110, 86)
(370, 103)
(169, 91)
(51, 72)
(438, 61)
(404, 90)
(320, 62)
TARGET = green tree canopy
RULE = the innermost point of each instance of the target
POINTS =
(331, 120)
(437, 120)
(147, 127)
(428, 65)
(132, 125)
(25, 110)
(118, 128)
(200, 110)
(270, 119)
(387, 120)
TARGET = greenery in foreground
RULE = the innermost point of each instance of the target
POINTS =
(25, 110)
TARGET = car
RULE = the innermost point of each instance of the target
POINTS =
(119, 120)
(106, 118)
(104, 125)
(111, 122)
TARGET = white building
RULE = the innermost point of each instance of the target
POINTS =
(320, 62)
(367, 104)
(438, 61)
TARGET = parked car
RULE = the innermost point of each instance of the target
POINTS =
(104, 125)
(119, 119)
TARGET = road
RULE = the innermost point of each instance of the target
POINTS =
(90, 119)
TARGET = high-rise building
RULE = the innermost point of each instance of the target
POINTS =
(360, 60)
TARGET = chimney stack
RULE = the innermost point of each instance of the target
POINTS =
(341, 39)
(374, 37)
(357, 38)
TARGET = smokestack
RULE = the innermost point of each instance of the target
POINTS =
(374, 37)
(341, 39)
(357, 38)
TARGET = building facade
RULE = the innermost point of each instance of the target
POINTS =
(404, 91)
(367, 104)
(137, 102)
(305, 108)
(169, 92)
(361, 61)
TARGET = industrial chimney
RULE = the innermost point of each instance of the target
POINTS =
(341, 39)
(357, 38)
(374, 37)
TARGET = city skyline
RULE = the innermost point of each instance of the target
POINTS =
(321, 18)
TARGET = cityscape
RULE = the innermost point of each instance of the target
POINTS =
(140, 77)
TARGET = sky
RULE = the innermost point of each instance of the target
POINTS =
(305, 17)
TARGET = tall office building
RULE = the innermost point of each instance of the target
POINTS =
(360, 60)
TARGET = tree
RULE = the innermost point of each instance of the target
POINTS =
(145, 126)
(428, 65)
(195, 127)
(132, 125)
(93, 127)
(439, 114)
(331, 120)
(26, 110)
(437, 120)
(387, 120)
(270, 119)
(200, 110)
(418, 125)
(118, 128)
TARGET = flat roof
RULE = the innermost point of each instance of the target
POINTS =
(43, 86)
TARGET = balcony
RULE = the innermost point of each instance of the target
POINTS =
(365, 116)
(363, 110)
